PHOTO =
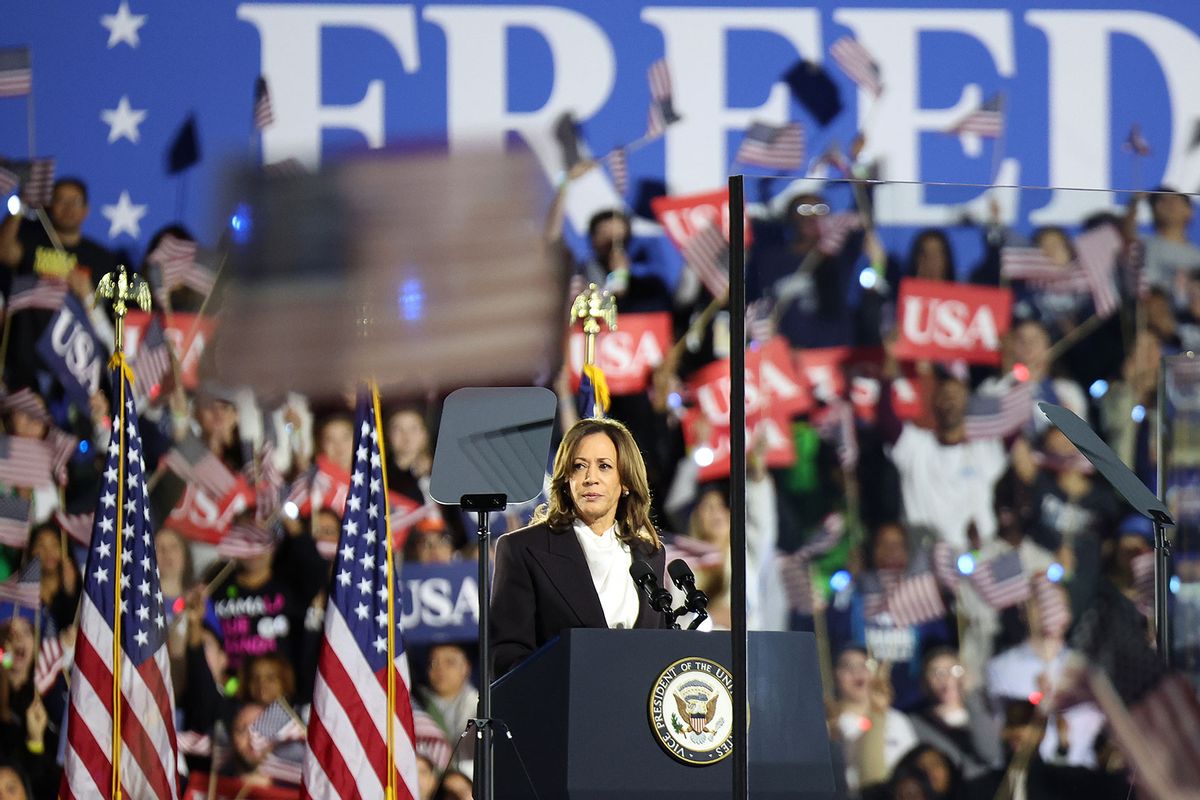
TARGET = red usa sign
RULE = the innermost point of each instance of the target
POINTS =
(774, 428)
(941, 321)
(199, 517)
(772, 386)
(187, 333)
(680, 216)
(628, 354)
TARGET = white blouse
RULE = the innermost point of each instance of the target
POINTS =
(608, 560)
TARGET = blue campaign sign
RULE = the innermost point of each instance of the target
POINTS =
(115, 80)
(439, 602)
(69, 348)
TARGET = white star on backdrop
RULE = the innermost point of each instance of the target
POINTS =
(124, 217)
(123, 121)
(123, 26)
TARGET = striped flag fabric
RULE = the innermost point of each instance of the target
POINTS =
(945, 565)
(121, 561)
(707, 253)
(349, 723)
(1031, 264)
(246, 541)
(877, 591)
(16, 72)
(838, 425)
(14, 521)
(856, 61)
(9, 181)
(1054, 609)
(28, 402)
(176, 261)
(795, 573)
(772, 146)
(152, 363)
(916, 600)
(195, 463)
(63, 447)
(29, 292)
(696, 553)
(1000, 581)
(796, 568)
(24, 589)
(25, 463)
(431, 740)
(77, 526)
(1142, 567)
(1157, 732)
(264, 112)
(1135, 141)
(662, 108)
(38, 186)
(987, 121)
(1096, 251)
(53, 660)
(996, 416)
(277, 723)
(834, 229)
(617, 162)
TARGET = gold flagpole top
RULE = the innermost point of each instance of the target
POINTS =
(122, 288)
(594, 306)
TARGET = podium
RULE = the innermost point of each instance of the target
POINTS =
(580, 710)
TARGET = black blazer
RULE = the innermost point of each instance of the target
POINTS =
(542, 586)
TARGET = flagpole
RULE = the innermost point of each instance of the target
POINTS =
(119, 361)
(121, 288)
(391, 603)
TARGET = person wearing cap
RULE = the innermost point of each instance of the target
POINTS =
(570, 569)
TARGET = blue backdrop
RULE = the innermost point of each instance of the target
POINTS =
(348, 76)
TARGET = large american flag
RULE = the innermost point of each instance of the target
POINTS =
(146, 715)
(857, 62)
(995, 416)
(16, 72)
(347, 734)
(772, 146)
(1000, 581)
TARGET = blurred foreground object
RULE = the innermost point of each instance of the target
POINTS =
(423, 270)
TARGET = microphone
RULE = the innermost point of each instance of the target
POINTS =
(681, 574)
(645, 579)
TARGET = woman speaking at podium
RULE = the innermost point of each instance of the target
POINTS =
(570, 568)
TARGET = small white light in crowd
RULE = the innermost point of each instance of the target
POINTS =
(1173, 584)
(14, 205)
(1138, 413)
(839, 580)
(1054, 572)
(674, 400)
(291, 510)
(1098, 389)
(966, 563)
(703, 456)
(868, 278)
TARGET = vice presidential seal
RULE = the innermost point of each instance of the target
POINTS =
(691, 711)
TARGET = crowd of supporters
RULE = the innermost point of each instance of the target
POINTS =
(875, 536)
